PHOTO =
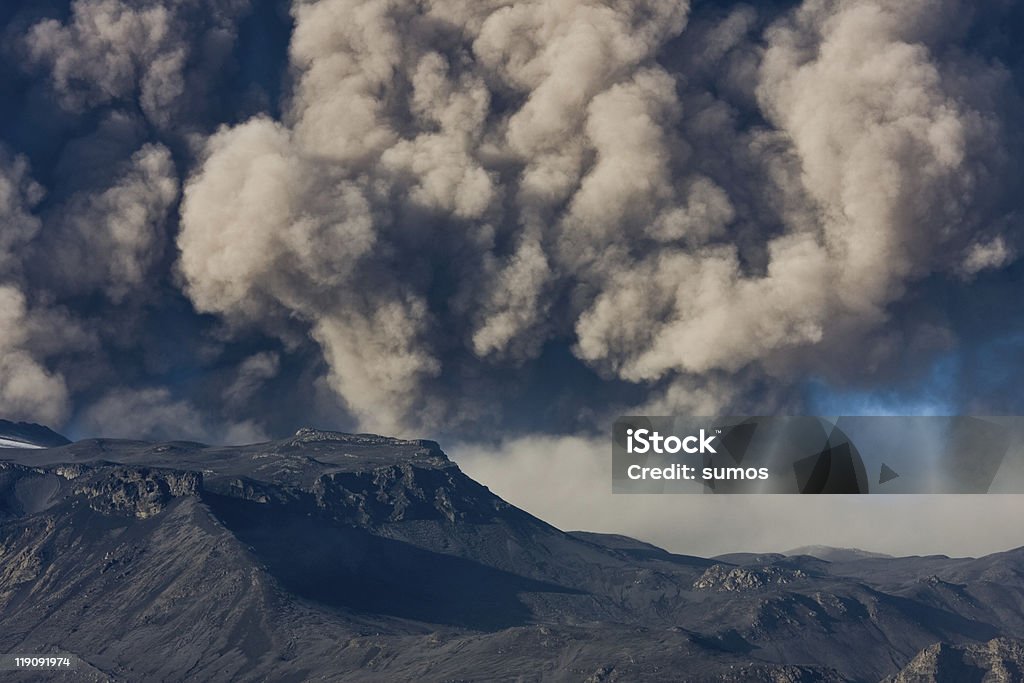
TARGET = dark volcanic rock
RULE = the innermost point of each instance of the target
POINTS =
(362, 558)
(725, 578)
(141, 492)
(1000, 660)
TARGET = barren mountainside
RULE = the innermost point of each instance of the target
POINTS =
(364, 558)
(1000, 660)
(26, 434)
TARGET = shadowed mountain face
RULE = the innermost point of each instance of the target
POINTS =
(28, 435)
(358, 557)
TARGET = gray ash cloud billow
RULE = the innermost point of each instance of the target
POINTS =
(692, 211)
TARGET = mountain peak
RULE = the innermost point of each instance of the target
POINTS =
(833, 554)
(312, 435)
(29, 435)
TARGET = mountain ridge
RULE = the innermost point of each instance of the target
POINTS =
(360, 557)
(29, 435)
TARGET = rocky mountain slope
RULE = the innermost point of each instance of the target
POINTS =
(1000, 660)
(28, 435)
(362, 558)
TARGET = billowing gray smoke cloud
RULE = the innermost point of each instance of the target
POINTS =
(27, 387)
(460, 216)
(149, 52)
(111, 238)
(703, 211)
(18, 196)
(543, 156)
(105, 239)
(84, 260)
(392, 133)
(155, 414)
(881, 160)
